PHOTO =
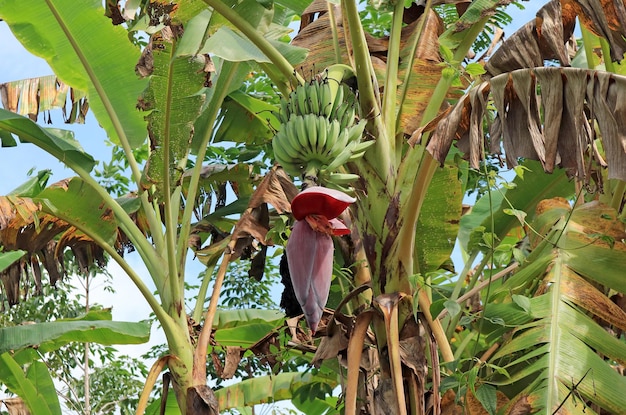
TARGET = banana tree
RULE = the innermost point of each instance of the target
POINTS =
(416, 93)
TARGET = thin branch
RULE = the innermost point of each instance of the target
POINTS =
(199, 358)
(480, 286)
(333, 29)
(368, 97)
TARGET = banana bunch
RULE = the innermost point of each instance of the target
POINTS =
(320, 131)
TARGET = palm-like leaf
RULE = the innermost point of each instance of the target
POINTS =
(563, 340)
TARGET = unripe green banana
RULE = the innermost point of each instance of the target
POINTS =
(314, 103)
(322, 135)
(342, 140)
(303, 106)
(347, 118)
(338, 115)
(359, 149)
(341, 159)
(285, 153)
(298, 135)
(332, 136)
(310, 122)
(337, 101)
(335, 74)
(283, 114)
(325, 99)
(355, 133)
(342, 178)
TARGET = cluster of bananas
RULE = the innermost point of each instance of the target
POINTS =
(319, 131)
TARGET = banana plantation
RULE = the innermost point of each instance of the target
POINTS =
(442, 199)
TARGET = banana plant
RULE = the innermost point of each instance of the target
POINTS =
(408, 333)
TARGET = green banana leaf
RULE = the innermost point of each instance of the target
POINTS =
(438, 223)
(171, 406)
(250, 392)
(8, 258)
(261, 122)
(87, 52)
(33, 186)
(59, 143)
(563, 342)
(245, 327)
(174, 98)
(79, 204)
(94, 327)
(265, 389)
(35, 387)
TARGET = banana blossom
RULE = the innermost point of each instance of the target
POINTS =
(310, 247)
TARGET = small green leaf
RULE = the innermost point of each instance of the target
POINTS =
(8, 258)
(446, 53)
(453, 308)
(519, 170)
(523, 302)
(519, 214)
(475, 69)
(486, 395)
(488, 239)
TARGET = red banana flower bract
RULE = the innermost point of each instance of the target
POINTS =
(310, 247)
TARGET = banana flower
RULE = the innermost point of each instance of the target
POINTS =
(310, 247)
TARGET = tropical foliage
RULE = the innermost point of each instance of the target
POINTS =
(533, 320)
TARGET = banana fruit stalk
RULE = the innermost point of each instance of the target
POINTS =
(320, 131)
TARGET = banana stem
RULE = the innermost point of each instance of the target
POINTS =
(309, 179)
(333, 28)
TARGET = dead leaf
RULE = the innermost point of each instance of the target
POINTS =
(15, 406)
(571, 99)
(231, 361)
(275, 189)
(201, 401)
(33, 96)
(540, 39)
(331, 345)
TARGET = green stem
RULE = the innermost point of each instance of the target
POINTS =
(461, 280)
(455, 294)
(333, 29)
(606, 54)
(153, 262)
(389, 112)
(171, 222)
(279, 82)
(168, 324)
(199, 366)
(204, 286)
(380, 157)
(618, 195)
(588, 38)
(257, 38)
